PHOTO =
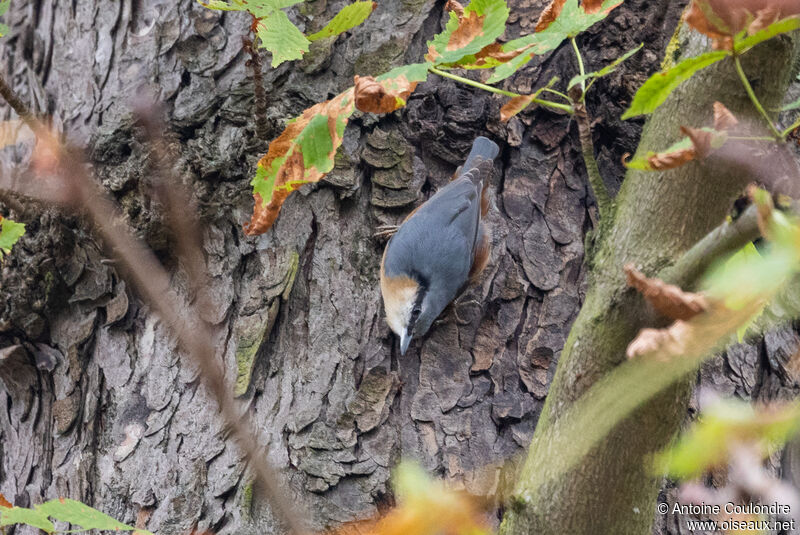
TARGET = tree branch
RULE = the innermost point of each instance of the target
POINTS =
(726, 239)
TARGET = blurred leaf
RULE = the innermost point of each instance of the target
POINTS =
(657, 88)
(4, 502)
(280, 36)
(707, 444)
(349, 17)
(738, 296)
(775, 29)
(82, 515)
(257, 8)
(726, 21)
(30, 517)
(668, 300)
(608, 69)
(4, 5)
(425, 506)
(10, 232)
(481, 23)
(14, 131)
(571, 20)
(723, 118)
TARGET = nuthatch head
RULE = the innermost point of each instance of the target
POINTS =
(439, 248)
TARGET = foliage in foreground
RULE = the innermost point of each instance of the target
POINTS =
(62, 510)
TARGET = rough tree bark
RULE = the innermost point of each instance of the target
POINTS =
(95, 403)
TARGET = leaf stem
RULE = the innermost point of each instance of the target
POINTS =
(581, 69)
(792, 127)
(752, 138)
(754, 98)
(559, 93)
(473, 83)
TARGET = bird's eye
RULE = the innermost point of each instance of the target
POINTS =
(415, 313)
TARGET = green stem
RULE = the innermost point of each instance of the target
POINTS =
(752, 138)
(789, 130)
(580, 63)
(559, 93)
(473, 83)
(754, 98)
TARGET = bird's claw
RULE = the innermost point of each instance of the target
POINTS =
(385, 231)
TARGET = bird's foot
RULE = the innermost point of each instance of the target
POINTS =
(385, 231)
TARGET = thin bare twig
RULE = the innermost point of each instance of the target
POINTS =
(604, 203)
(262, 125)
(153, 283)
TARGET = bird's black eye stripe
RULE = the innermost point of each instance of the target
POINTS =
(415, 313)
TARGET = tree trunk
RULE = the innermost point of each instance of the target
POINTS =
(658, 216)
(99, 406)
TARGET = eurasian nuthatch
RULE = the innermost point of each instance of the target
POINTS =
(439, 249)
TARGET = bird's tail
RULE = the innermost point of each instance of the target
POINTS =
(483, 149)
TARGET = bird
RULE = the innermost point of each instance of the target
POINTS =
(440, 248)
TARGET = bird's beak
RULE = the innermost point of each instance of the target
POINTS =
(405, 339)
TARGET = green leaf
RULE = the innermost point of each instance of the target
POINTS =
(657, 88)
(10, 232)
(4, 29)
(30, 517)
(452, 45)
(774, 29)
(572, 21)
(280, 36)
(415, 72)
(708, 442)
(258, 8)
(80, 514)
(608, 69)
(4, 7)
(349, 17)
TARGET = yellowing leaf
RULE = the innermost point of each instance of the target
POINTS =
(479, 24)
(565, 19)
(721, 428)
(520, 102)
(669, 300)
(305, 150)
(349, 17)
(303, 153)
(389, 91)
(280, 36)
(425, 507)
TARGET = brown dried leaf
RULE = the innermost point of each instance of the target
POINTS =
(374, 97)
(701, 140)
(495, 51)
(667, 299)
(550, 14)
(592, 6)
(693, 337)
(723, 118)
(452, 5)
(663, 161)
(469, 27)
(764, 206)
(722, 19)
(514, 106)
(4, 502)
(292, 173)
